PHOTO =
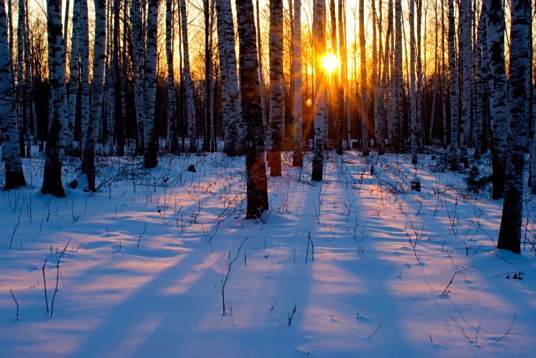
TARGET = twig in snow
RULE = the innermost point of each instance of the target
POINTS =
(225, 277)
(507, 332)
(16, 303)
(375, 331)
(291, 315)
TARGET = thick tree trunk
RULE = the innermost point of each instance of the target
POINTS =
(233, 126)
(498, 95)
(56, 74)
(14, 176)
(276, 86)
(519, 71)
(257, 188)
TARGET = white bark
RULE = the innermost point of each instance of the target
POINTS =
(297, 96)
(9, 138)
(233, 127)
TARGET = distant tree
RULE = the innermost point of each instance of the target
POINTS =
(187, 78)
(454, 89)
(173, 145)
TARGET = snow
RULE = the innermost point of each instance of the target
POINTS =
(142, 270)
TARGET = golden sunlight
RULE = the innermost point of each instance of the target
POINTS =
(330, 62)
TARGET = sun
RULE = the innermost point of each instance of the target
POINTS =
(330, 62)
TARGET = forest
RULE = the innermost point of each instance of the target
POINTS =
(266, 177)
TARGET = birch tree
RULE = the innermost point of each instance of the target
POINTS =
(138, 65)
(412, 83)
(74, 81)
(320, 105)
(171, 94)
(84, 65)
(52, 183)
(363, 81)
(297, 95)
(519, 75)
(14, 175)
(256, 182)
(454, 92)
(482, 80)
(276, 86)
(233, 128)
(188, 83)
(498, 95)
(466, 70)
(398, 82)
(88, 156)
(151, 140)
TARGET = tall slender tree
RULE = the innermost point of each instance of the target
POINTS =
(187, 78)
(56, 75)
(171, 94)
(138, 65)
(466, 72)
(73, 84)
(233, 128)
(88, 155)
(454, 89)
(297, 95)
(276, 86)
(320, 105)
(498, 95)
(14, 175)
(520, 81)
(363, 88)
(151, 139)
(257, 188)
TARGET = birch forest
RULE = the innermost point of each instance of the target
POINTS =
(242, 132)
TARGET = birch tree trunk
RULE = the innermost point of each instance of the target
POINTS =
(276, 86)
(320, 105)
(297, 95)
(188, 83)
(233, 127)
(363, 81)
(14, 175)
(482, 79)
(519, 75)
(453, 83)
(138, 66)
(412, 84)
(398, 76)
(56, 75)
(498, 95)
(261, 66)
(257, 188)
(74, 81)
(151, 139)
(88, 156)
(466, 70)
(84, 67)
(173, 145)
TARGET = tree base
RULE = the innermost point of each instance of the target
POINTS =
(14, 180)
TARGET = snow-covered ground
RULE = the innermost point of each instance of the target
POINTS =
(357, 266)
